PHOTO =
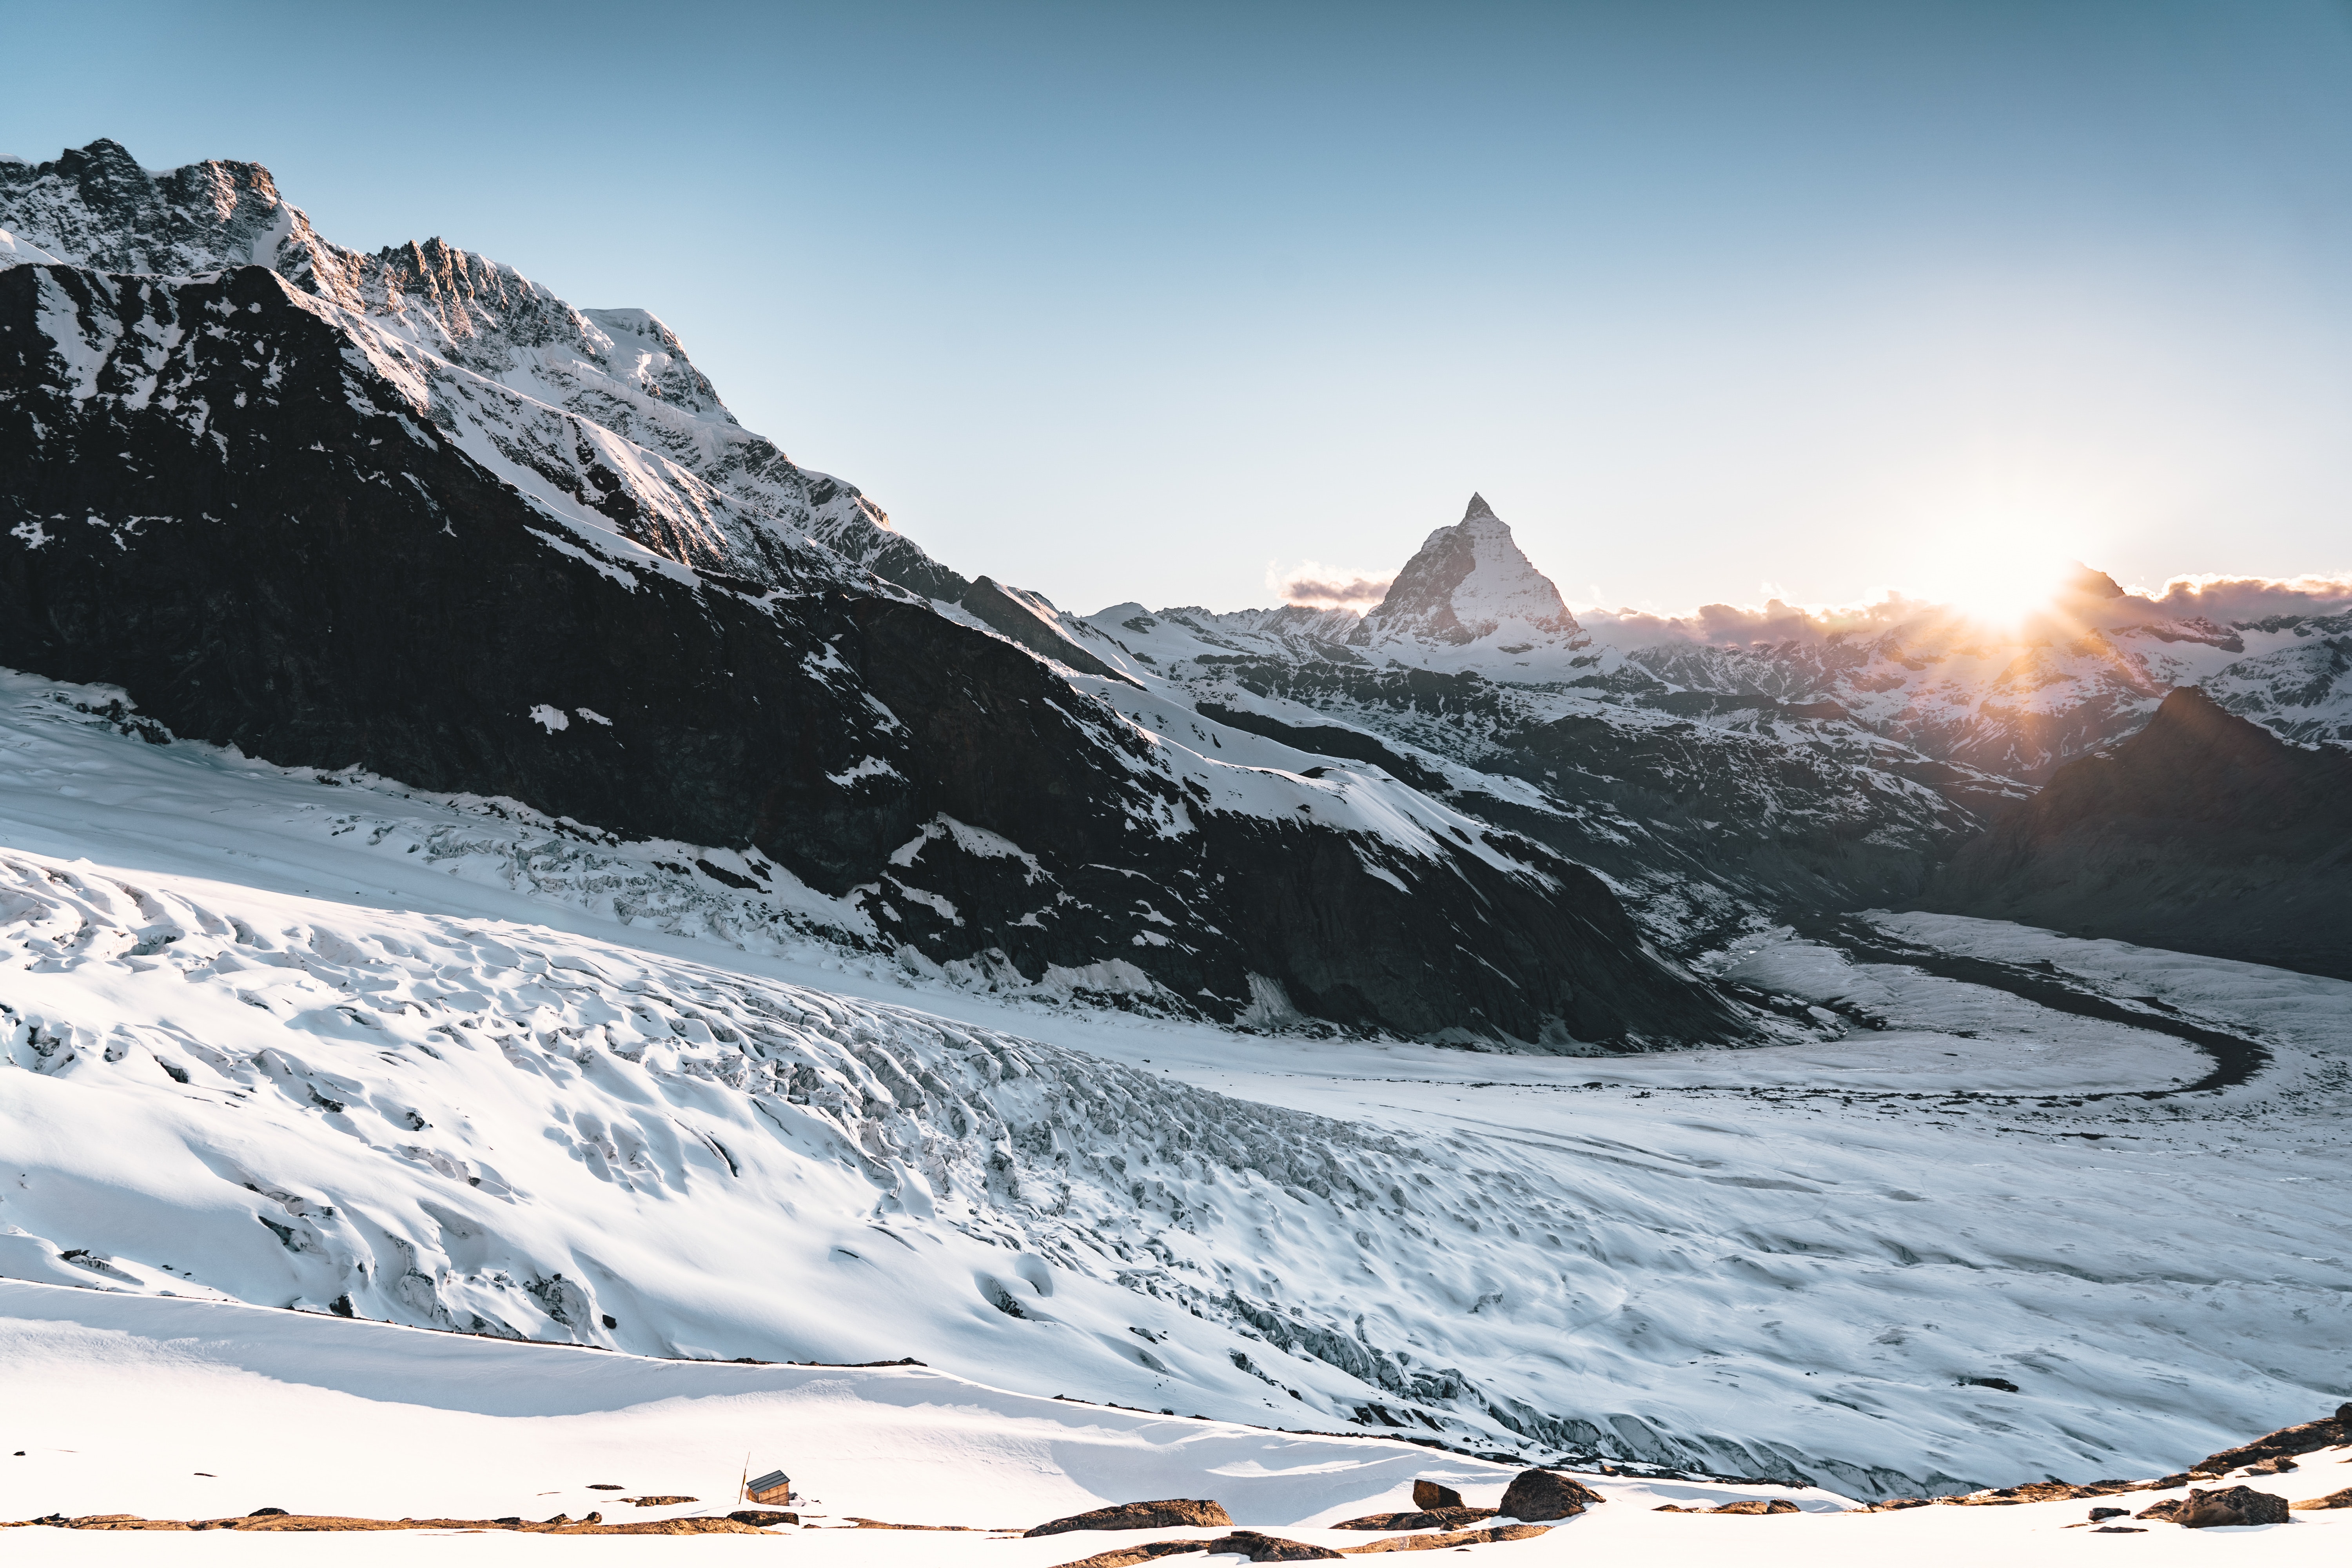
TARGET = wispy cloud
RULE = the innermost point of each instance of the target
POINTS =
(1330, 587)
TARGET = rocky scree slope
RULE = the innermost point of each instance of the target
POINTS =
(294, 520)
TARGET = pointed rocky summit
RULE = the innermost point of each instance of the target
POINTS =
(1467, 582)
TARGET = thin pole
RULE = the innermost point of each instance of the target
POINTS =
(744, 1486)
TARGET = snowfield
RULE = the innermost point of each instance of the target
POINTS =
(283, 1041)
(175, 1409)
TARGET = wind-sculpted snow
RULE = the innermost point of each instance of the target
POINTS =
(509, 1130)
(455, 1124)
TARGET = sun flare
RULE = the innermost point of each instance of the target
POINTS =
(2000, 573)
(2007, 593)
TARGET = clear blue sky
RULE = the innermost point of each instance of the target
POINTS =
(1125, 301)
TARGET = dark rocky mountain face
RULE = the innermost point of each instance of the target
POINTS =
(2202, 833)
(219, 494)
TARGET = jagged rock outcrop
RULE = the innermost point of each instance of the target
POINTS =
(1534, 1495)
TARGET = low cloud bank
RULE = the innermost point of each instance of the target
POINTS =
(2094, 600)
(1775, 621)
(1322, 587)
(2224, 598)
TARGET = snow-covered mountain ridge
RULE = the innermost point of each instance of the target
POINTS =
(2009, 701)
(412, 514)
(1721, 783)
(597, 414)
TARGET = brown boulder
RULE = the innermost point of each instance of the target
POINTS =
(1759, 1505)
(2237, 1505)
(764, 1517)
(2233, 1506)
(1428, 1496)
(1168, 1513)
(1536, 1495)
(2333, 1499)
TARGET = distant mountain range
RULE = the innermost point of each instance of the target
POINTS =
(411, 513)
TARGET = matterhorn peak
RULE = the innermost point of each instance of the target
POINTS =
(1470, 587)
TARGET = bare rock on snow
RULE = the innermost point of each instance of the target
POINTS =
(1429, 1495)
(1441, 1543)
(764, 1517)
(1420, 1518)
(2234, 1506)
(1546, 1494)
(1168, 1513)
(2287, 1441)
(1128, 1556)
(2342, 1499)
(1261, 1548)
(1758, 1505)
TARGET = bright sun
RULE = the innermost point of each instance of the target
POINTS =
(1999, 575)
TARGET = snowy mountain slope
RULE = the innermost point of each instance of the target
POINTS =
(906, 1444)
(1776, 1261)
(2299, 691)
(305, 554)
(598, 414)
(1470, 599)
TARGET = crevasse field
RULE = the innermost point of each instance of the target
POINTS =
(283, 1041)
